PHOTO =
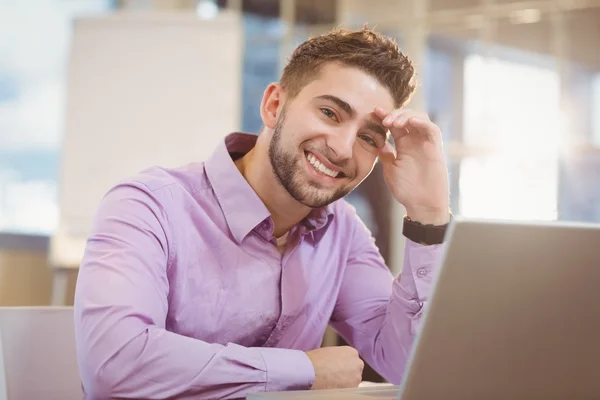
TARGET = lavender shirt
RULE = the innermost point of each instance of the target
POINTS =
(183, 292)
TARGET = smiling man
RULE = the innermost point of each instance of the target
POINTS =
(219, 278)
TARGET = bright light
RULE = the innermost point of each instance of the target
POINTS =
(207, 9)
(508, 187)
(513, 109)
(28, 207)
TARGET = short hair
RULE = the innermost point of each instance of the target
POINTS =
(365, 49)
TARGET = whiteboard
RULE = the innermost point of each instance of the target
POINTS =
(149, 89)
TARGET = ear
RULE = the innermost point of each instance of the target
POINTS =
(270, 105)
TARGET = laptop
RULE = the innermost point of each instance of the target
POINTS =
(514, 314)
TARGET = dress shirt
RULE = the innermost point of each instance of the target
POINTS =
(182, 291)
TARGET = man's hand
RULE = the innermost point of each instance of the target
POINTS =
(415, 171)
(336, 367)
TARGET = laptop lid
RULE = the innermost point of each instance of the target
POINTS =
(515, 314)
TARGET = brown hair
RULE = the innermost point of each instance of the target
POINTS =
(372, 52)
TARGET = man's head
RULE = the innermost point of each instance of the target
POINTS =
(325, 136)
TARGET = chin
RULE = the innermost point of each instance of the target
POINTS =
(317, 197)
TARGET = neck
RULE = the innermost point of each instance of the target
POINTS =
(256, 168)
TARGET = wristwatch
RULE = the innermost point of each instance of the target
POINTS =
(424, 234)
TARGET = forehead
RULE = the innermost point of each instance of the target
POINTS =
(361, 90)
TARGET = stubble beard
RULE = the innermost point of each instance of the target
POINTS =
(288, 171)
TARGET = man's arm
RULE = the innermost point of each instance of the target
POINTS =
(121, 306)
(377, 313)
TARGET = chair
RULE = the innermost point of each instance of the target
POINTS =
(37, 354)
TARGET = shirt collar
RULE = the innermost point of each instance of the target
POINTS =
(317, 222)
(242, 208)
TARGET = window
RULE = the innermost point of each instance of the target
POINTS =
(512, 114)
(580, 170)
(261, 55)
(595, 110)
(34, 46)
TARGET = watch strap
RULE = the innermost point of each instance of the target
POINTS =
(424, 234)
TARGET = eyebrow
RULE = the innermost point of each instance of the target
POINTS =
(375, 127)
(347, 108)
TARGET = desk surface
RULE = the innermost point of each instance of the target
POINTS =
(381, 392)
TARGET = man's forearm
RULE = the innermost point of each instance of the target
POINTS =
(401, 319)
(158, 364)
(121, 308)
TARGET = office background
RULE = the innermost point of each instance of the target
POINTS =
(514, 86)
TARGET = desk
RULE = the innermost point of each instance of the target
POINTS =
(364, 392)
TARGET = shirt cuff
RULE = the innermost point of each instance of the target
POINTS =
(287, 369)
(422, 261)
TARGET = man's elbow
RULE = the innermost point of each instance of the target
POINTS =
(106, 377)
(107, 363)
(391, 364)
(99, 381)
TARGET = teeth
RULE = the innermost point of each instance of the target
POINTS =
(320, 167)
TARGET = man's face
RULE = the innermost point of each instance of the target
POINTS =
(327, 139)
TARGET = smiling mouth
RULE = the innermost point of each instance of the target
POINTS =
(321, 168)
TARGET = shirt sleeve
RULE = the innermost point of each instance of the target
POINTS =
(121, 304)
(378, 314)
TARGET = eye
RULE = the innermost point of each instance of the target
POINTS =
(368, 139)
(328, 113)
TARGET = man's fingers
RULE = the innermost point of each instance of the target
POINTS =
(388, 116)
(389, 119)
(424, 126)
(399, 128)
(387, 153)
(381, 112)
(399, 118)
(399, 133)
(400, 122)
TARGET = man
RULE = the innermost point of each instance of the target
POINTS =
(219, 279)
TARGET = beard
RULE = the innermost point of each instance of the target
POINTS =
(288, 171)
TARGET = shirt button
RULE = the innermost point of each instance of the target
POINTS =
(422, 272)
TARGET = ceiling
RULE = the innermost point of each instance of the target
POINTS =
(309, 12)
(462, 18)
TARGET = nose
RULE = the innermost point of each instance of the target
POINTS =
(341, 143)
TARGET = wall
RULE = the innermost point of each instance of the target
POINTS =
(25, 277)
